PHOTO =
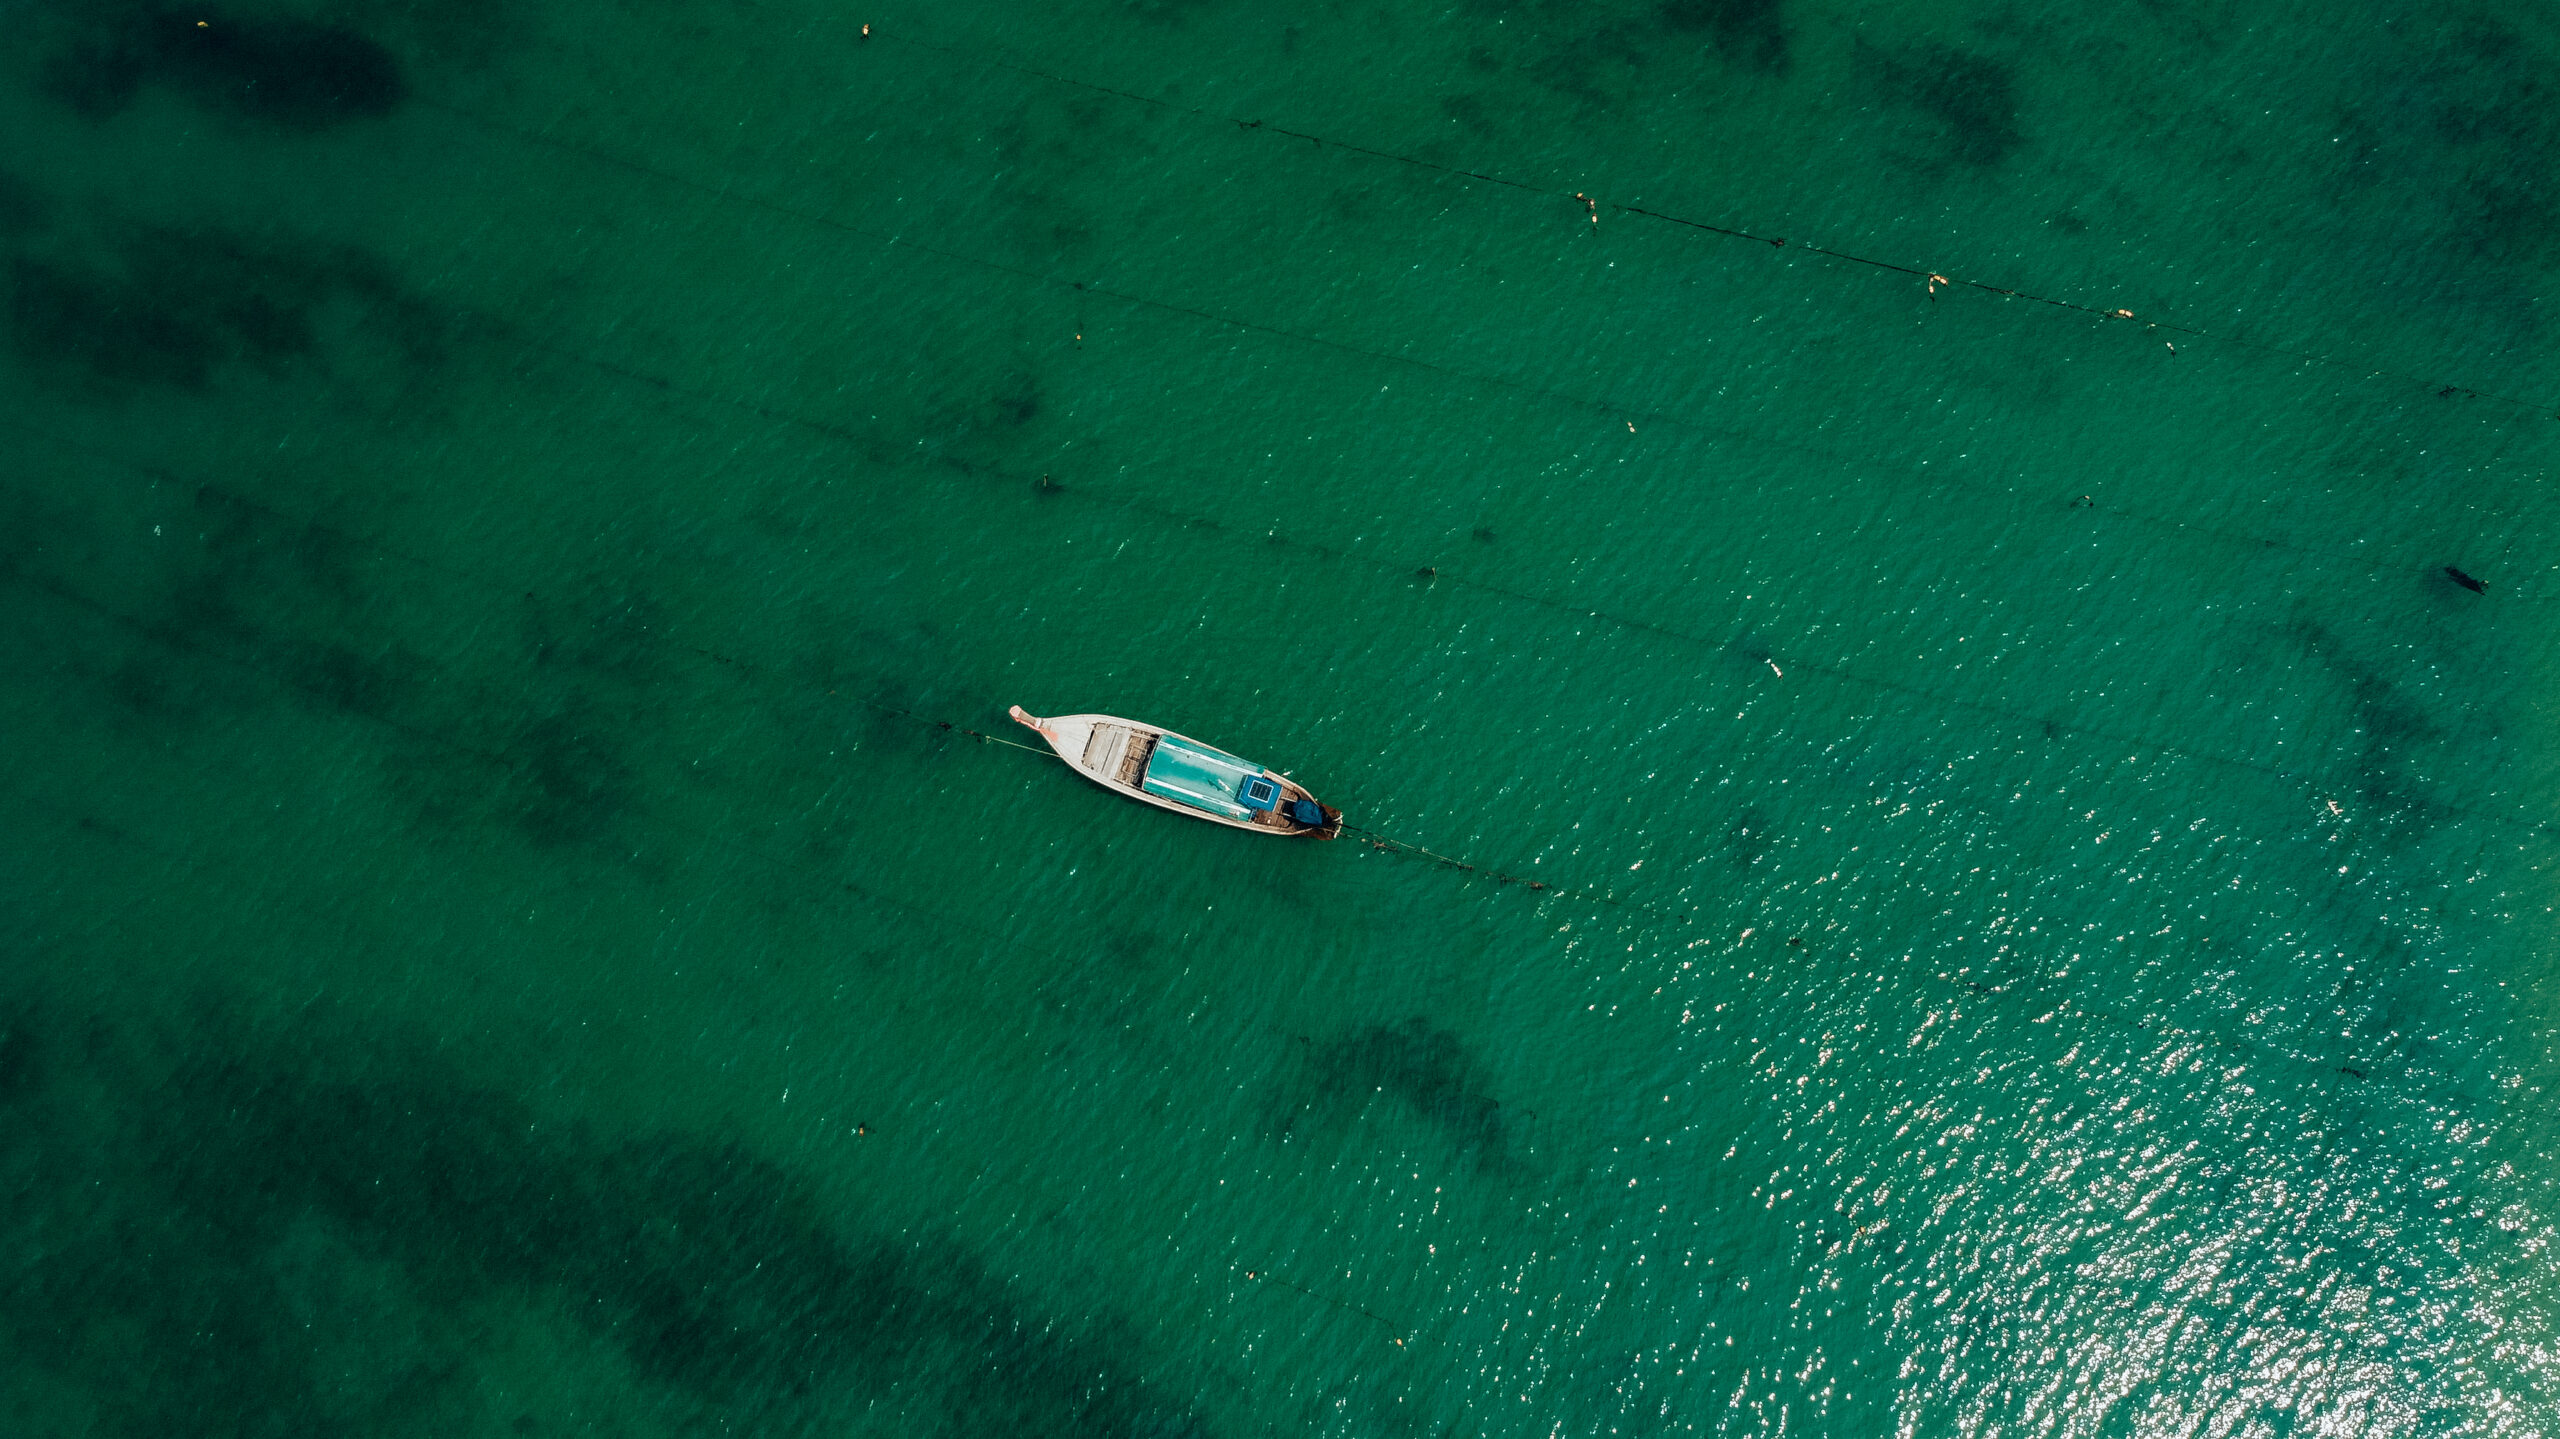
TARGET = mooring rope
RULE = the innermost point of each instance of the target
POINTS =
(1384, 843)
(1397, 1331)
(2018, 988)
(1391, 845)
(948, 727)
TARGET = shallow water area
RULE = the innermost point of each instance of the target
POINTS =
(1937, 850)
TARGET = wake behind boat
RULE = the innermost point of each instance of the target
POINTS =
(1176, 772)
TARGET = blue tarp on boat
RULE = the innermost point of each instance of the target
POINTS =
(1199, 776)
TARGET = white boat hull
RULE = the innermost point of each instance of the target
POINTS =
(1112, 752)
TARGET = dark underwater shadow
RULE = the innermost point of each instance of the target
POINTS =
(107, 308)
(1965, 104)
(2394, 732)
(1426, 1073)
(1753, 34)
(1602, 58)
(283, 1234)
(2460, 112)
(238, 608)
(296, 73)
(2440, 196)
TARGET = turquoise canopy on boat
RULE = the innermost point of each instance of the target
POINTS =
(1199, 776)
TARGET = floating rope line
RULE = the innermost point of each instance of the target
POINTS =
(1583, 203)
(902, 240)
(157, 474)
(1613, 409)
(1734, 645)
(2545, 829)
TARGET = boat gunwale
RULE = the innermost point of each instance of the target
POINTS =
(1087, 723)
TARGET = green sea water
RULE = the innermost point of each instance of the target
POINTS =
(2011, 893)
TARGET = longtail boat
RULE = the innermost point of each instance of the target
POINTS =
(1152, 764)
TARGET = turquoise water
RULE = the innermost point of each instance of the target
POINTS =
(2048, 913)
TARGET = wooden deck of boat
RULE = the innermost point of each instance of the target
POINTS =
(1276, 816)
(1133, 762)
(1118, 752)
